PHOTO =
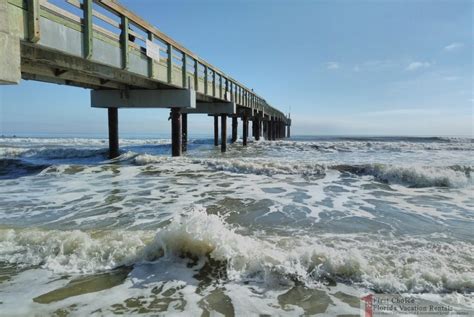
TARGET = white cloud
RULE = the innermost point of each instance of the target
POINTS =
(453, 46)
(451, 78)
(417, 65)
(403, 112)
(333, 65)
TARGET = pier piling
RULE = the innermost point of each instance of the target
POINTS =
(184, 125)
(235, 124)
(216, 130)
(223, 133)
(176, 132)
(113, 133)
(245, 130)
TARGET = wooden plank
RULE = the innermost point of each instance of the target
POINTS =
(124, 42)
(33, 21)
(88, 30)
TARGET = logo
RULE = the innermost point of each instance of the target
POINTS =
(367, 305)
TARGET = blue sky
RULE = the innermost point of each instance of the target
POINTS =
(344, 67)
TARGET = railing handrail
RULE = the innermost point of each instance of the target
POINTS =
(147, 27)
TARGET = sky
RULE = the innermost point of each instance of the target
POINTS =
(341, 68)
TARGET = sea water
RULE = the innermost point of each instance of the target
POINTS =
(293, 227)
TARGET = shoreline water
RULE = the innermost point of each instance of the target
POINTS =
(283, 228)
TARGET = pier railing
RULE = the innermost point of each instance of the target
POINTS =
(113, 35)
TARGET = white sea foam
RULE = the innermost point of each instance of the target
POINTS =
(389, 265)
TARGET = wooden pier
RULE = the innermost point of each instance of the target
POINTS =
(127, 63)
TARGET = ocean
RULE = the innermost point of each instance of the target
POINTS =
(301, 226)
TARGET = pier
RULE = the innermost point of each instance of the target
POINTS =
(127, 63)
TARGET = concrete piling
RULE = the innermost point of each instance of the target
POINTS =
(176, 132)
(113, 133)
(245, 130)
(184, 131)
(216, 130)
(223, 133)
(235, 124)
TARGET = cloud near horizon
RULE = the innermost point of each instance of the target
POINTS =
(453, 47)
(333, 65)
(417, 65)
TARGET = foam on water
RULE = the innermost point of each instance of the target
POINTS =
(281, 228)
(389, 264)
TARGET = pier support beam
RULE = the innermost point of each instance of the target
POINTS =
(176, 132)
(235, 125)
(216, 130)
(223, 133)
(113, 133)
(184, 131)
(245, 130)
(288, 134)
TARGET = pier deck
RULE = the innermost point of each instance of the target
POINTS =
(127, 63)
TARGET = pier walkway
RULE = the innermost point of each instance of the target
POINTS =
(127, 63)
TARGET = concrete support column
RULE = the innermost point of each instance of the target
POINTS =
(176, 132)
(235, 124)
(264, 129)
(245, 130)
(253, 128)
(223, 133)
(184, 131)
(269, 130)
(257, 129)
(273, 130)
(288, 134)
(113, 133)
(216, 130)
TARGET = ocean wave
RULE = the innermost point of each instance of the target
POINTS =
(13, 168)
(373, 145)
(414, 176)
(263, 167)
(413, 264)
(52, 153)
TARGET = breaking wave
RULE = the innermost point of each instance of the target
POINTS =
(413, 264)
(414, 176)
